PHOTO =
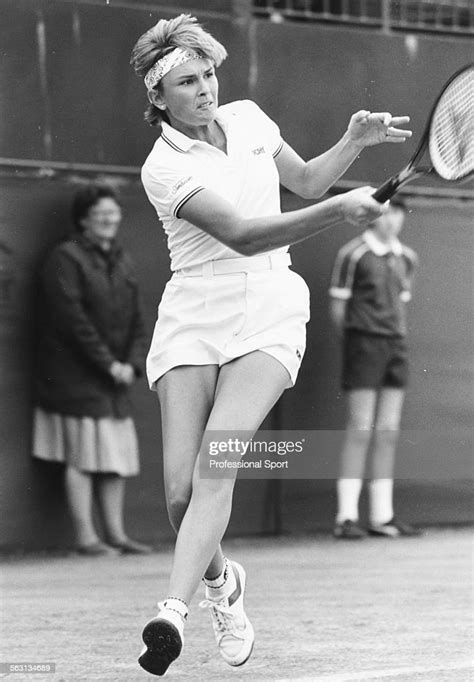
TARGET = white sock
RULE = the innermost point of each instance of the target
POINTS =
(174, 610)
(348, 493)
(381, 500)
(223, 585)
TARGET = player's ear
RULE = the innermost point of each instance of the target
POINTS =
(155, 98)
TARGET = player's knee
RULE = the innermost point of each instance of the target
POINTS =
(177, 501)
(216, 492)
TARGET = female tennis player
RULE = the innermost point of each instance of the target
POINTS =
(230, 334)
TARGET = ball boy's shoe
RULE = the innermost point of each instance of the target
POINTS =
(232, 629)
(393, 529)
(348, 530)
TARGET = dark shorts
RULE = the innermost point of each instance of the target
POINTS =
(371, 361)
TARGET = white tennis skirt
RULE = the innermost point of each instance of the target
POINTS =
(214, 313)
(105, 445)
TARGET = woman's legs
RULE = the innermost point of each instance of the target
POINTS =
(246, 390)
(110, 493)
(79, 493)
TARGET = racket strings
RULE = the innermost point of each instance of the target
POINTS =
(451, 140)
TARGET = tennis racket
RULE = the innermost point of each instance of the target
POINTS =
(448, 137)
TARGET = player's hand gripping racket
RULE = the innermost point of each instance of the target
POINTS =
(448, 137)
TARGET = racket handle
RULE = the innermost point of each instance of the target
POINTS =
(387, 190)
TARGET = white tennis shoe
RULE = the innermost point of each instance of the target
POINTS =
(232, 629)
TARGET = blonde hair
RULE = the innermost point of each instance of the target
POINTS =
(185, 32)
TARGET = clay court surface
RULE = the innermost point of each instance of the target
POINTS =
(323, 610)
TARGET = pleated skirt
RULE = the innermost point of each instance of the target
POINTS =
(105, 445)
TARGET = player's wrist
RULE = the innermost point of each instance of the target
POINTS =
(335, 209)
(352, 144)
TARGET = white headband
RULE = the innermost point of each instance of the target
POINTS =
(170, 61)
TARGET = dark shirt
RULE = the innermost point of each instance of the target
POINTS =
(376, 280)
(89, 317)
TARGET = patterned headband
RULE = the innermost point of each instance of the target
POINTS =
(170, 61)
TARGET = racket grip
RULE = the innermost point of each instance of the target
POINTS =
(387, 190)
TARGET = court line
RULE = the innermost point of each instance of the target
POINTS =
(380, 674)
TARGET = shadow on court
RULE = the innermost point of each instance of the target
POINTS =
(322, 610)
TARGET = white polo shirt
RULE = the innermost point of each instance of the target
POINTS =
(179, 167)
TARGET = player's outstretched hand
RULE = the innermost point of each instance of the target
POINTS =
(359, 207)
(367, 129)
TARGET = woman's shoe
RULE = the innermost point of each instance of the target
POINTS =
(163, 638)
(128, 546)
(232, 629)
(96, 549)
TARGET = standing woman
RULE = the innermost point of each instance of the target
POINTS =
(90, 351)
(230, 334)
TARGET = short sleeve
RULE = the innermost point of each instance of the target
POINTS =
(168, 189)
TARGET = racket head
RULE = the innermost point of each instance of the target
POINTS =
(451, 127)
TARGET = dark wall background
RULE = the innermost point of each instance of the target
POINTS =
(71, 109)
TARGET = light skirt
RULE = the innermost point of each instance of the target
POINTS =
(105, 445)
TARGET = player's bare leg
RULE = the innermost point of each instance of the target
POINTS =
(186, 395)
(207, 503)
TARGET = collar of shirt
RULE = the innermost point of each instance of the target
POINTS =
(183, 143)
(381, 248)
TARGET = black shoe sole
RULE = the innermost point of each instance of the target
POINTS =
(164, 645)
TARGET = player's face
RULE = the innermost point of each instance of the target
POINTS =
(190, 94)
(102, 222)
(390, 224)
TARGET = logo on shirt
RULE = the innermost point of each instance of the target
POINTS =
(258, 151)
(180, 184)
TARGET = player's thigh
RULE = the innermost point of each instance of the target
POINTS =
(389, 409)
(361, 407)
(247, 389)
(186, 396)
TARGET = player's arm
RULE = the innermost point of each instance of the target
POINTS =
(313, 178)
(250, 236)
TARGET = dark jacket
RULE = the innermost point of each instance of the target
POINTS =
(89, 316)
